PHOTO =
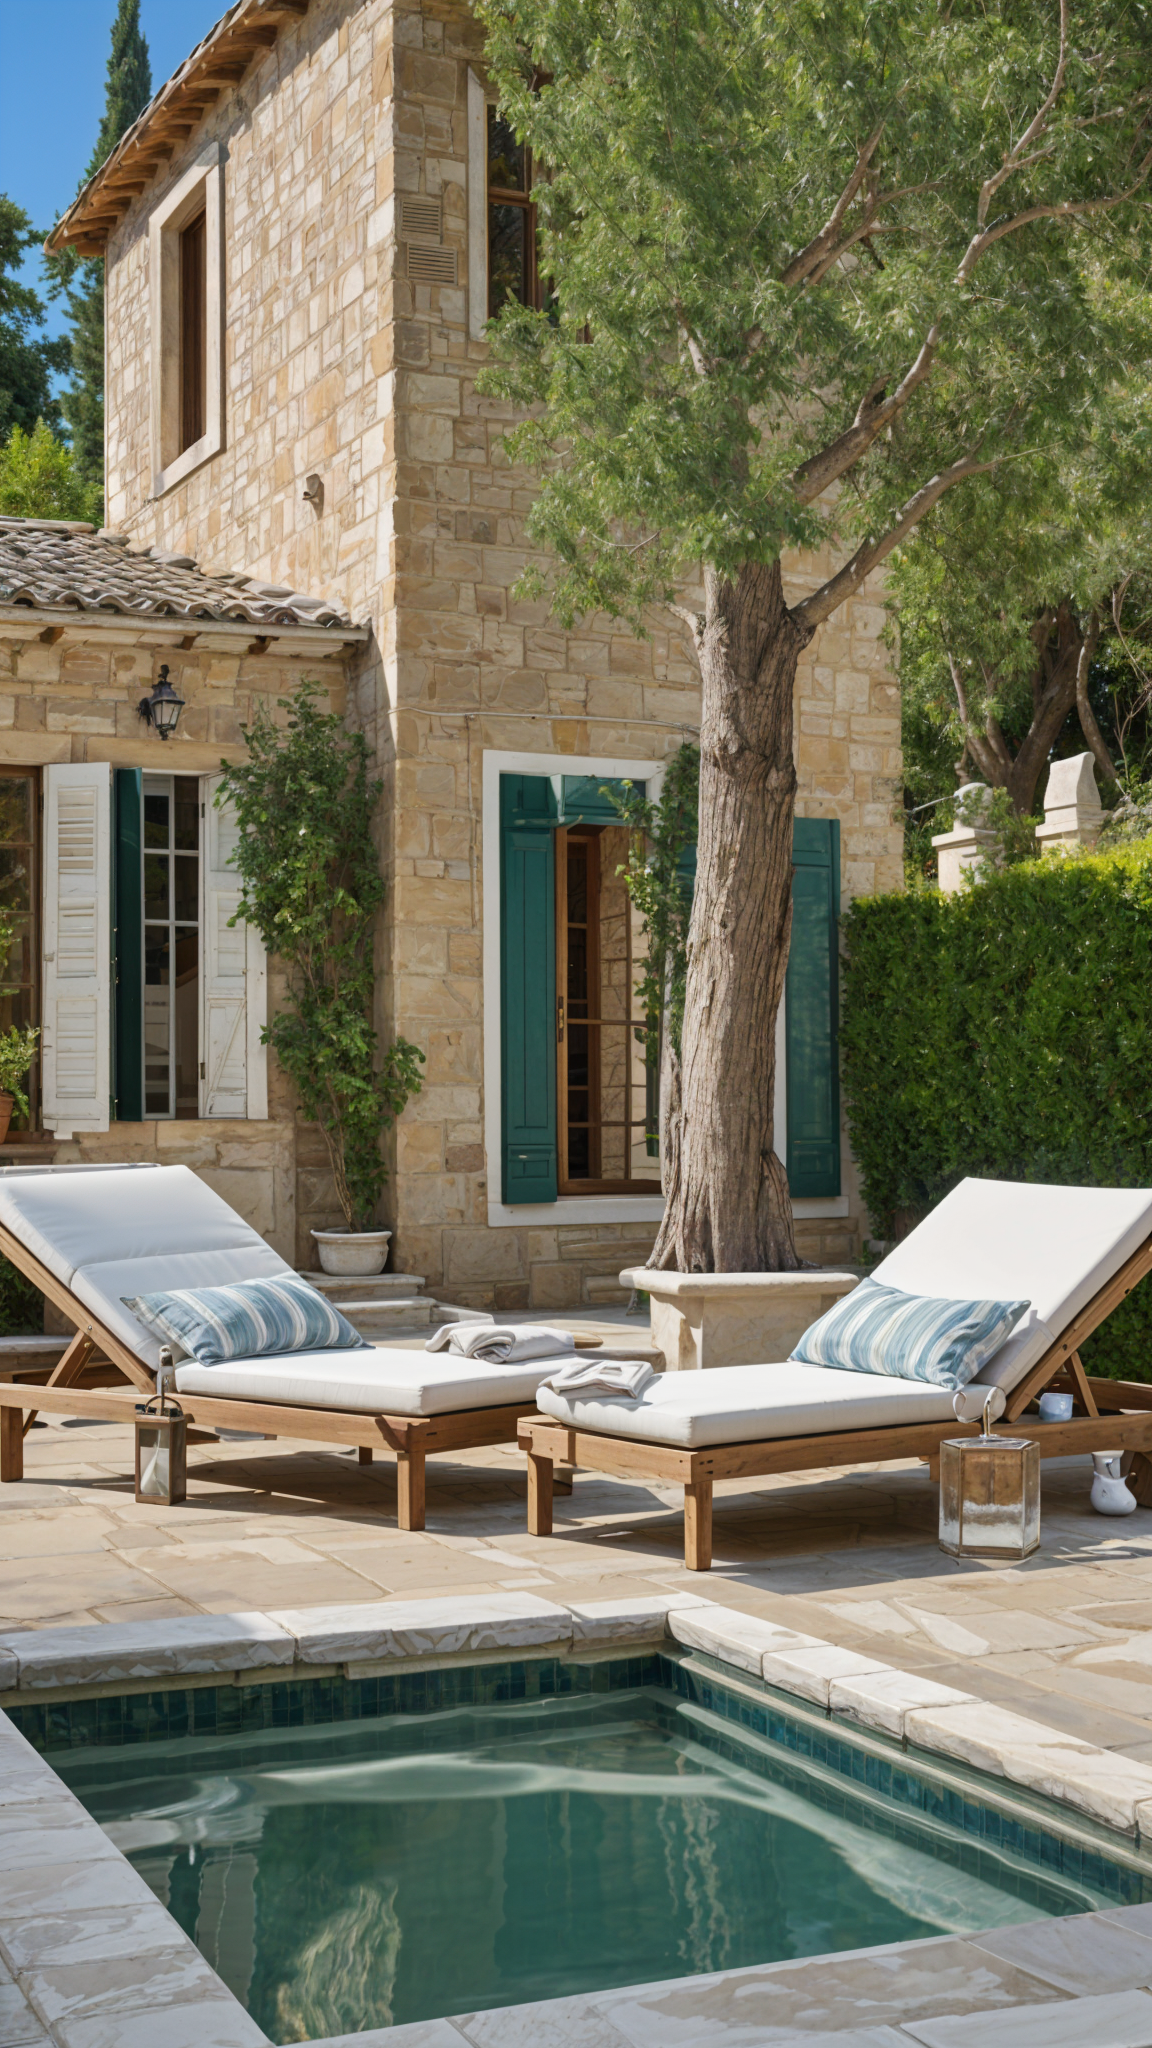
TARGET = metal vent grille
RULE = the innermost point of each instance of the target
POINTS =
(421, 220)
(431, 266)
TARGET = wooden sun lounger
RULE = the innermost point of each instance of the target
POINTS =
(89, 1380)
(1115, 1415)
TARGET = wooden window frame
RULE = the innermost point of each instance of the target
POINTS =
(17, 772)
(199, 193)
(500, 195)
(599, 1185)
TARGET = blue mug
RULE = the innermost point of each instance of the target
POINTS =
(1055, 1407)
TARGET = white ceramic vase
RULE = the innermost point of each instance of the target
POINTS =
(1110, 1495)
(359, 1252)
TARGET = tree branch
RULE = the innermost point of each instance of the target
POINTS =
(812, 611)
(1014, 158)
(1062, 209)
(1087, 716)
(815, 475)
(802, 264)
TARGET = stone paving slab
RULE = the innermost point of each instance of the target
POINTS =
(848, 1558)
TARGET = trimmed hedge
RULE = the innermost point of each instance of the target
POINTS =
(21, 1304)
(1007, 1031)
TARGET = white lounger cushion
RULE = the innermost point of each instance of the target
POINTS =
(109, 1231)
(998, 1239)
(376, 1382)
(1055, 1246)
(736, 1404)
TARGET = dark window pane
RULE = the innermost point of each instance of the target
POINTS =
(507, 250)
(15, 808)
(506, 157)
(16, 1009)
(157, 1023)
(156, 885)
(577, 881)
(186, 884)
(578, 1155)
(193, 330)
(19, 969)
(187, 1009)
(578, 1055)
(15, 877)
(155, 819)
(187, 794)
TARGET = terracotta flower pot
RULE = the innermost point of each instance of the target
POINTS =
(352, 1251)
(6, 1107)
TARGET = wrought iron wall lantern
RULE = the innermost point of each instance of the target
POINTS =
(162, 709)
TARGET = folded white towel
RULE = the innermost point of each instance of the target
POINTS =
(502, 1343)
(600, 1376)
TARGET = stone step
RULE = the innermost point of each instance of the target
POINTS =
(342, 1287)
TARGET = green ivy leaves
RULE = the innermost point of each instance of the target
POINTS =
(312, 887)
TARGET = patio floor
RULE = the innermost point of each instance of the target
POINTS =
(852, 1557)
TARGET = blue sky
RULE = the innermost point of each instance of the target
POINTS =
(53, 56)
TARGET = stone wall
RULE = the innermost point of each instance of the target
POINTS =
(338, 364)
(72, 697)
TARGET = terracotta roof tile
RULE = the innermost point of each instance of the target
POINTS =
(57, 566)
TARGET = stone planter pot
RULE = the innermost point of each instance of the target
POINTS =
(7, 1105)
(705, 1319)
(353, 1251)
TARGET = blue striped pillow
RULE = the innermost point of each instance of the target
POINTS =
(249, 1319)
(909, 1336)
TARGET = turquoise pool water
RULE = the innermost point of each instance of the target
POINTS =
(364, 1869)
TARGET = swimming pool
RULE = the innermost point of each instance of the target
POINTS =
(354, 1853)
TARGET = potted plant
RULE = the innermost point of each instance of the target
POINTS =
(313, 889)
(17, 1052)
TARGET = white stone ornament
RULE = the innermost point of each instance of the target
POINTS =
(1110, 1495)
(1072, 810)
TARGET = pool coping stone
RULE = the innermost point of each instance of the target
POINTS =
(80, 1878)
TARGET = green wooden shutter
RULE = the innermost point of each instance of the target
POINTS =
(128, 947)
(812, 1011)
(587, 799)
(528, 988)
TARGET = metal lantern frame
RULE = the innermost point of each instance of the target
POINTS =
(162, 709)
(990, 1495)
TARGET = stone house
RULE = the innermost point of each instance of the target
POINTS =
(304, 234)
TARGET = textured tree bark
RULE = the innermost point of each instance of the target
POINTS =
(728, 1208)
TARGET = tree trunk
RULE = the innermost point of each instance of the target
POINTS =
(728, 1208)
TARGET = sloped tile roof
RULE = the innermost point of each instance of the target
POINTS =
(247, 31)
(54, 566)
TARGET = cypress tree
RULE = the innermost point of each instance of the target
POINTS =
(128, 91)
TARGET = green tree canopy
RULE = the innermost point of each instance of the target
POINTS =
(127, 92)
(39, 479)
(1025, 603)
(811, 268)
(28, 359)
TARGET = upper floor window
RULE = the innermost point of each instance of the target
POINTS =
(193, 330)
(513, 271)
(186, 242)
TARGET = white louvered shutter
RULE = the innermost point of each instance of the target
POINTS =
(233, 979)
(77, 1028)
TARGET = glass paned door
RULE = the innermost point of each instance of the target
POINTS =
(171, 884)
(607, 1139)
(20, 910)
